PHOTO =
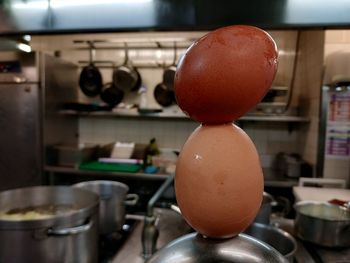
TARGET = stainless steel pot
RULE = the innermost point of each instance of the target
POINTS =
(280, 205)
(126, 77)
(323, 223)
(66, 237)
(282, 241)
(264, 213)
(194, 248)
(113, 198)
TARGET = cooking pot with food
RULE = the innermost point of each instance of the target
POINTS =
(48, 224)
(323, 223)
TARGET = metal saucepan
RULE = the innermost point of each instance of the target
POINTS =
(111, 94)
(284, 244)
(282, 241)
(194, 248)
(66, 230)
(270, 203)
(163, 95)
(90, 80)
(264, 213)
(126, 77)
(169, 72)
(113, 198)
(323, 223)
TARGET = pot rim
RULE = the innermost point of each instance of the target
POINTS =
(283, 233)
(100, 182)
(300, 204)
(68, 219)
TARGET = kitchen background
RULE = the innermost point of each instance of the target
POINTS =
(312, 55)
(270, 136)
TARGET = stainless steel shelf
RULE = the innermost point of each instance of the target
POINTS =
(75, 171)
(271, 178)
(275, 118)
(124, 114)
(179, 116)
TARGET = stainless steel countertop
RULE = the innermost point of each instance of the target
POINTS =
(171, 225)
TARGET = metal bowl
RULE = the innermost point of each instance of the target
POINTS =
(194, 248)
(275, 237)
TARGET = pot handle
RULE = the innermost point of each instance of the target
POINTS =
(131, 199)
(283, 203)
(70, 230)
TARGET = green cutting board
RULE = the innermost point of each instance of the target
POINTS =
(110, 167)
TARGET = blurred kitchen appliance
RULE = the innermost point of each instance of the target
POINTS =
(334, 127)
(292, 165)
(71, 155)
(275, 101)
(31, 88)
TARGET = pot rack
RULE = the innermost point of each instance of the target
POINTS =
(119, 44)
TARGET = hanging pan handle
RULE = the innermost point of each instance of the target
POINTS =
(126, 54)
(92, 52)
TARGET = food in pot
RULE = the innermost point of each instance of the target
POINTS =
(225, 73)
(219, 181)
(324, 211)
(36, 212)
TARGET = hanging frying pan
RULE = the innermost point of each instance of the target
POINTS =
(90, 80)
(138, 82)
(169, 72)
(126, 77)
(111, 94)
(163, 95)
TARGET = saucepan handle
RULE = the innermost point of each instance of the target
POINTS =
(131, 199)
(70, 230)
(284, 205)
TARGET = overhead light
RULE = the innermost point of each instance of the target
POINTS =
(81, 3)
(24, 47)
(338, 89)
(41, 4)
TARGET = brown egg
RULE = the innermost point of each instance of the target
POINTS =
(219, 180)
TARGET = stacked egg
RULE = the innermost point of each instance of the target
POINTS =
(219, 181)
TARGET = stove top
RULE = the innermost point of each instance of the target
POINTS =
(110, 244)
(325, 255)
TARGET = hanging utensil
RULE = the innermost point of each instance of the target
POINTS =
(169, 72)
(111, 94)
(126, 77)
(90, 80)
(162, 94)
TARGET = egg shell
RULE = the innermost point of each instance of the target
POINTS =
(219, 180)
(225, 73)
